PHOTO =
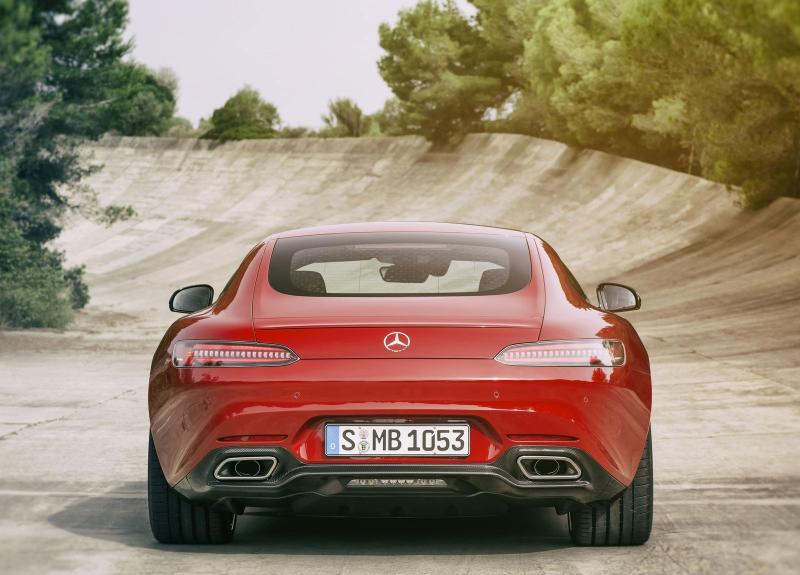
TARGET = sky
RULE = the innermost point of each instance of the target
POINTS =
(298, 54)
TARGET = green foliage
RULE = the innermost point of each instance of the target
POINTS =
(78, 290)
(390, 120)
(436, 65)
(245, 116)
(114, 213)
(99, 91)
(143, 106)
(561, 60)
(710, 87)
(34, 289)
(204, 125)
(35, 298)
(293, 132)
(64, 80)
(180, 127)
(730, 70)
(345, 119)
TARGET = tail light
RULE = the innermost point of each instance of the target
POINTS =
(230, 354)
(577, 353)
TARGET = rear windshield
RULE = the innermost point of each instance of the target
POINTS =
(400, 264)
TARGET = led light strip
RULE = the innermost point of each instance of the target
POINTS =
(230, 354)
(565, 353)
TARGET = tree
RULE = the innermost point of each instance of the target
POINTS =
(63, 81)
(294, 132)
(710, 87)
(204, 125)
(435, 65)
(144, 106)
(578, 76)
(345, 119)
(245, 116)
(733, 70)
(180, 127)
(390, 119)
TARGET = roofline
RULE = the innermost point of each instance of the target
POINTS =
(398, 226)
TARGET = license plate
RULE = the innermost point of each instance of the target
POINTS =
(397, 440)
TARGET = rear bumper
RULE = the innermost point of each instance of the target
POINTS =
(602, 412)
(464, 489)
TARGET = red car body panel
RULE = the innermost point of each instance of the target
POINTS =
(448, 373)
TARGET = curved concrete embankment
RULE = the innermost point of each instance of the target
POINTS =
(721, 279)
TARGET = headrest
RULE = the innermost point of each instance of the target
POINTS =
(493, 279)
(310, 282)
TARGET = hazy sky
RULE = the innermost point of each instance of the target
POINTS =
(297, 53)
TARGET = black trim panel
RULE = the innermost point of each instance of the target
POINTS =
(298, 485)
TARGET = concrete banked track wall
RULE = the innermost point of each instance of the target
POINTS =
(715, 281)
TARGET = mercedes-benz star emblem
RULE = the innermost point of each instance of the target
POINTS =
(396, 341)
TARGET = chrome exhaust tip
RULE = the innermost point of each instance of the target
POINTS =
(548, 467)
(247, 468)
(545, 466)
(255, 468)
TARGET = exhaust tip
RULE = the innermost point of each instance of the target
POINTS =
(548, 467)
(247, 468)
(253, 468)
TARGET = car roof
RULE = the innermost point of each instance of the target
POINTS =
(366, 227)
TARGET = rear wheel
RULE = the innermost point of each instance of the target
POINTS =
(175, 519)
(627, 520)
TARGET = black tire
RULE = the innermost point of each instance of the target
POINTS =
(627, 520)
(175, 519)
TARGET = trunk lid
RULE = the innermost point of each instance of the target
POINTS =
(400, 328)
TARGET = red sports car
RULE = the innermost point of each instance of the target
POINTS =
(401, 369)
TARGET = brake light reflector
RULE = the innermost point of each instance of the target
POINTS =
(576, 353)
(230, 354)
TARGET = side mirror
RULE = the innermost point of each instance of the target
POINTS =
(191, 299)
(617, 297)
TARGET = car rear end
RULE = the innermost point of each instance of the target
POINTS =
(406, 373)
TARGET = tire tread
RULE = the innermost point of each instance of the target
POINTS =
(175, 519)
(626, 520)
